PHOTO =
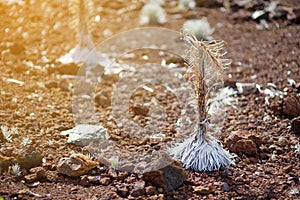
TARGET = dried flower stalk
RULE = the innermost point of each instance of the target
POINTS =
(82, 20)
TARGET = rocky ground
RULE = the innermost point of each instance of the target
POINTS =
(261, 130)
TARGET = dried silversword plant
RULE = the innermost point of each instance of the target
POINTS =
(83, 22)
(205, 64)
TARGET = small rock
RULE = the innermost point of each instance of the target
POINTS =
(150, 190)
(84, 134)
(122, 190)
(105, 181)
(202, 190)
(31, 178)
(30, 158)
(295, 125)
(94, 179)
(64, 86)
(226, 173)
(138, 189)
(112, 173)
(122, 175)
(169, 177)
(87, 180)
(239, 179)
(51, 176)
(115, 137)
(291, 105)
(70, 69)
(268, 170)
(102, 98)
(246, 146)
(225, 187)
(27, 158)
(51, 84)
(287, 169)
(84, 180)
(130, 180)
(39, 171)
(140, 110)
(76, 165)
(282, 141)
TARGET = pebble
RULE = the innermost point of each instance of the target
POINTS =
(27, 158)
(105, 181)
(287, 169)
(282, 141)
(202, 190)
(169, 177)
(102, 98)
(122, 190)
(138, 189)
(64, 86)
(239, 179)
(295, 125)
(268, 170)
(241, 145)
(225, 187)
(31, 178)
(84, 134)
(75, 165)
(51, 84)
(51, 176)
(84, 180)
(39, 171)
(130, 180)
(70, 69)
(291, 105)
(122, 175)
(93, 179)
(112, 173)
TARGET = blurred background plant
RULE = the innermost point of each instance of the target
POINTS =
(200, 28)
(153, 13)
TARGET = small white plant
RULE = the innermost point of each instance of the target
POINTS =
(14, 130)
(200, 28)
(153, 13)
(183, 4)
(294, 191)
(6, 133)
(115, 162)
(297, 148)
(16, 169)
(26, 141)
(50, 142)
